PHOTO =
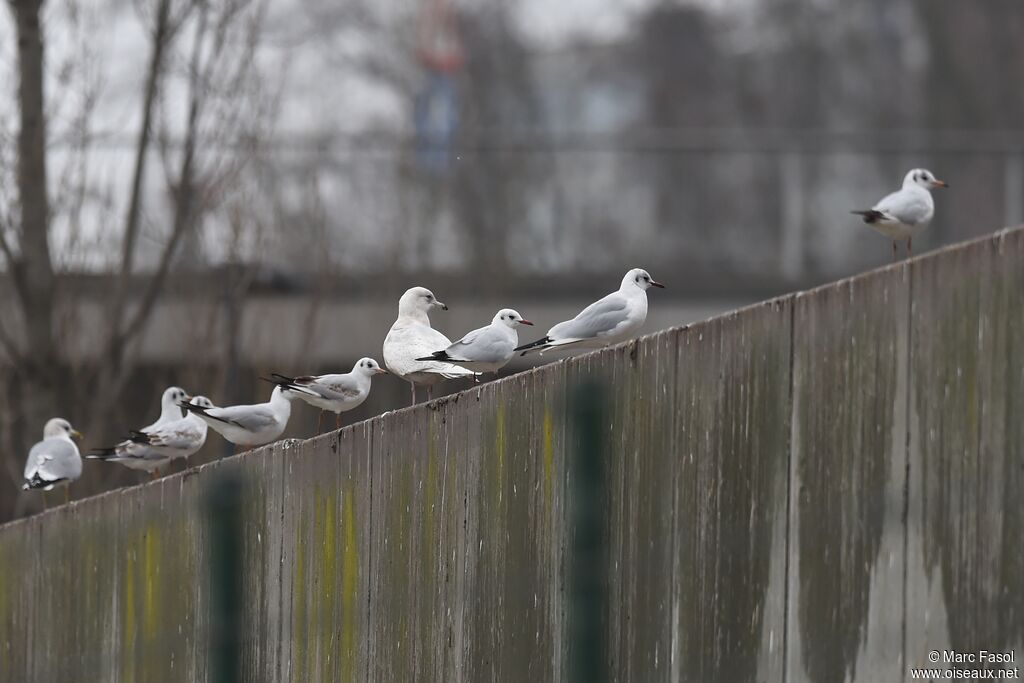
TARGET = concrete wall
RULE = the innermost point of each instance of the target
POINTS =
(820, 488)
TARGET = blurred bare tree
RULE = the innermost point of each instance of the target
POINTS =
(201, 114)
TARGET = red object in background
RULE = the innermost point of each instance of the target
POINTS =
(439, 47)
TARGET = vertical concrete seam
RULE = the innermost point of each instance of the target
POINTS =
(908, 378)
(789, 489)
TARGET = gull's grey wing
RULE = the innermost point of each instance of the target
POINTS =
(335, 387)
(254, 418)
(906, 207)
(598, 318)
(485, 345)
(468, 338)
(180, 434)
(53, 460)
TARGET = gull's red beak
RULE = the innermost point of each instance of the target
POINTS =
(941, 183)
(525, 322)
(657, 284)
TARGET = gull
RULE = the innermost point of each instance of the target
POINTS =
(903, 214)
(178, 438)
(337, 393)
(249, 425)
(486, 349)
(55, 460)
(135, 452)
(411, 337)
(169, 409)
(606, 321)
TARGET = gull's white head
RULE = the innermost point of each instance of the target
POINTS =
(202, 402)
(418, 300)
(368, 367)
(507, 316)
(173, 397)
(638, 277)
(283, 393)
(922, 177)
(58, 426)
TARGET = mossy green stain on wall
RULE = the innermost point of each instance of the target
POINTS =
(129, 627)
(326, 584)
(349, 583)
(150, 568)
(299, 619)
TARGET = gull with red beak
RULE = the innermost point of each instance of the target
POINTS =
(486, 349)
(337, 393)
(614, 318)
(903, 214)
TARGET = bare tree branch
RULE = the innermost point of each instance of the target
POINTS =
(162, 35)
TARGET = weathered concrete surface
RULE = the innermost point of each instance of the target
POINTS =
(820, 488)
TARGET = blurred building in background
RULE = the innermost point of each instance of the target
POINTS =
(249, 187)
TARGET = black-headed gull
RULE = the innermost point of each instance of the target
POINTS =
(412, 337)
(612, 319)
(485, 349)
(179, 438)
(55, 460)
(903, 214)
(249, 425)
(337, 393)
(135, 452)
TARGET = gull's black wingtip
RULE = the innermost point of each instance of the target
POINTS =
(870, 216)
(532, 345)
(284, 382)
(136, 436)
(436, 355)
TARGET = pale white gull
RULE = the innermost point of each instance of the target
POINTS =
(411, 337)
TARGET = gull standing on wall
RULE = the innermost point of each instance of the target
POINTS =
(614, 318)
(903, 214)
(411, 337)
(54, 461)
(337, 393)
(134, 453)
(486, 349)
(249, 425)
(179, 438)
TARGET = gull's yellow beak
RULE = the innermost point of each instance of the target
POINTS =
(76, 435)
